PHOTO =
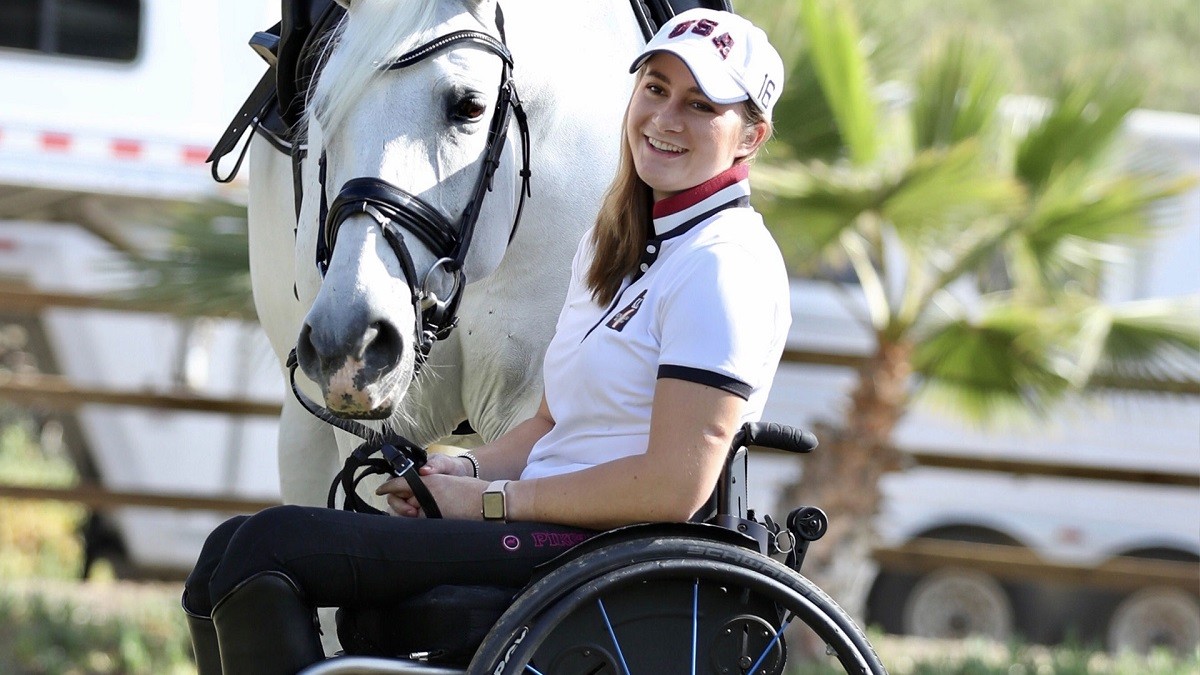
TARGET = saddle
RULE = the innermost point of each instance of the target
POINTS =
(277, 103)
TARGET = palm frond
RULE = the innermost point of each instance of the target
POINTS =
(1061, 243)
(958, 91)
(1151, 339)
(805, 127)
(948, 211)
(809, 206)
(1000, 365)
(1118, 209)
(840, 64)
(1084, 118)
(804, 124)
(871, 279)
(205, 271)
(942, 190)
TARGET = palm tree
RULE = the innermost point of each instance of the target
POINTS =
(978, 262)
(202, 268)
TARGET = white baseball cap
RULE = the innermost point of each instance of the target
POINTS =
(731, 58)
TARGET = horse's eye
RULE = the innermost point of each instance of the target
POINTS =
(468, 109)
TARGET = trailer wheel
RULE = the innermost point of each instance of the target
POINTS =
(887, 599)
(954, 603)
(1156, 618)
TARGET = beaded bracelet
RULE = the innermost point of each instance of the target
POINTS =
(470, 457)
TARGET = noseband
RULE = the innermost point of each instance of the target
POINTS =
(399, 212)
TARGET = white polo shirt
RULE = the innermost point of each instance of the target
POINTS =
(711, 305)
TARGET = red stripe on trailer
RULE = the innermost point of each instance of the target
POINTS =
(194, 154)
(54, 141)
(126, 148)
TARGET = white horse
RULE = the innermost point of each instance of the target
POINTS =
(423, 129)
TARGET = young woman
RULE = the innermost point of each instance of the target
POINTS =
(669, 339)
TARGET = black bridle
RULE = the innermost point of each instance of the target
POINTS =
(399, 212)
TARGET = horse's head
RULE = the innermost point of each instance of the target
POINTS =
(399, 155)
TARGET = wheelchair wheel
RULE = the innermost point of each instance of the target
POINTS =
(666, 605)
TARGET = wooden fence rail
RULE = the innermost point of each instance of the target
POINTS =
(96, 496)
(57, 392)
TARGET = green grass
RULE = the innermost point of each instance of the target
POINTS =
(92, 629)
(51, 623)
(37, 538)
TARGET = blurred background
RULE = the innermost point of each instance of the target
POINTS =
(991, 214)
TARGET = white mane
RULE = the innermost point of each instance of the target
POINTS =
(381, 30)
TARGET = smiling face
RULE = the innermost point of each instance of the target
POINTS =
(677, 136)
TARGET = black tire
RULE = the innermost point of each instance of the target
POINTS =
(885, 602)
(674, 601)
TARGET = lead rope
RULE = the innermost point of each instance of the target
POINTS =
(400, 457)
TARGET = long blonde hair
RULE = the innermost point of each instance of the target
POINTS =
(625, 220)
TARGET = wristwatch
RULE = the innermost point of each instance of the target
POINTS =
(494, 507)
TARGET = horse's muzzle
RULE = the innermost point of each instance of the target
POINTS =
(360, 377)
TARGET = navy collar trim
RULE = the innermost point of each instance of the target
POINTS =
(742, 201)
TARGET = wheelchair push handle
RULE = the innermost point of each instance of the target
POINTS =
(775, 436)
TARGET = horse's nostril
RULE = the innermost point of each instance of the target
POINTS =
(377, 348)
(383, 346)
(306, 352)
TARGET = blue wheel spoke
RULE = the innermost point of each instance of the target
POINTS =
(774, 640)
(612, 634)
(695, 623)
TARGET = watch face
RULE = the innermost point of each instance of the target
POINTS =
(493, 505)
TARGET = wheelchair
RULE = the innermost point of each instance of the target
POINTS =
(716, 595)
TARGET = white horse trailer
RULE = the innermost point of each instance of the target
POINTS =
(107, 112)
(93, 138)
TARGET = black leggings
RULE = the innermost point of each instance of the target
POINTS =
(344, 559)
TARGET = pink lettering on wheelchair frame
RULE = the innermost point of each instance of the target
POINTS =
(558, 539)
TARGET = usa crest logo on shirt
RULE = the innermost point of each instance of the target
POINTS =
(618, 320)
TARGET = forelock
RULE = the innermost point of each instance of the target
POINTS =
(381, 30)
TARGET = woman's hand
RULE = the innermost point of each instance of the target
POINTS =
(459, 497)
(400, 496)
(450, 465)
